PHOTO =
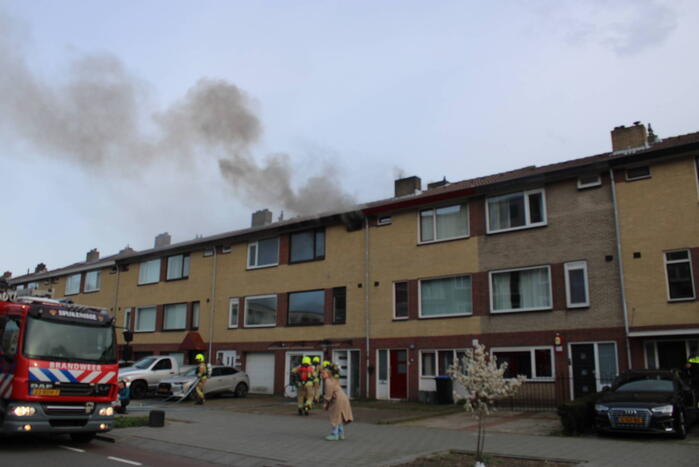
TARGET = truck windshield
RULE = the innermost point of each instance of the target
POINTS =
(52, 340)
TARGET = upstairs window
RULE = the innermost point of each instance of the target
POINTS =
(443, 223)
(196, 306)
(263, 253)
(92, 281)
(149, 272)
(339, 305)
(450, 296)
(261, 311)
(175, 316)
(514, 211)
(400, 300)
(576, 284)
(589, 181)
(177, 267)
(145, 319)
(233, 309)
(307, 246)
(307, 308)
(637, 173)
(73, 284)
(526, 289)
(680, 283)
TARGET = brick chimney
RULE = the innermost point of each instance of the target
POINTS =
(261, 218)
(407, 186)
(633, 137)
(92, 256)
(162, 240)
(437, 184)
(7, 275)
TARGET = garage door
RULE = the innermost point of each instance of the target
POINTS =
(260, 369)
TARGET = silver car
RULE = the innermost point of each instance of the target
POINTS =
(222, 379)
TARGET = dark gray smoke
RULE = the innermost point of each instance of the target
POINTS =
(99, 117)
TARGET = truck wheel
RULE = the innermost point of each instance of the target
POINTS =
(82, 437)
(241, 390)
(138, 390)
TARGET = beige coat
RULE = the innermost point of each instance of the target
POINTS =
(339, 409)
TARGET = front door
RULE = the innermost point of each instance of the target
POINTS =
(584, 378)
(399, 374)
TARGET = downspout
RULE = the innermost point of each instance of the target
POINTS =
(366, 303)
(213, 305)
(621, 267)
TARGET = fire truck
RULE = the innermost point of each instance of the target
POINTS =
(58, 367)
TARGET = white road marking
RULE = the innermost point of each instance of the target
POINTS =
(125, 461)
(69, 448)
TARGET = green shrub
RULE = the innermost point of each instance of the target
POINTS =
(127, 422)
(578, 416)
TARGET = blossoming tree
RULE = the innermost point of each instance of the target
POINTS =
(484, 382)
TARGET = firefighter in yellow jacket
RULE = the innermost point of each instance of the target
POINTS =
(304, 374)
(202, 375)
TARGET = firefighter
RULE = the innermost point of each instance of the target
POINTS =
(202, 375)
(304, 375)
(691, 371)
(317, 367)
(333, 368)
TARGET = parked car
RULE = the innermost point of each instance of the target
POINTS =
(145, 375)
(647, 401)
(222, 379)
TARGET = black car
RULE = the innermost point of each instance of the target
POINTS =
(647, 401)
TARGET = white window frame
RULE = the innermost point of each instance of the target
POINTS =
(183, 269)
(127, 318)
(256, 245)
(595, 344)
(139, 310)
(233, 301)
(422, 369)
(528, 224)
(71, 287)
(447, 315)
(582, 185)
(519, 310)
(642, 177)
(247, 304)
(169, 307)
(407, 300)
(691, 274)
(98, 281)
(141, 272)
(196, 312)
(573, 266)
(434, 224)
(532, 356)
(435, 352)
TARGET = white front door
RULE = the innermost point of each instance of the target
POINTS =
(348, 362)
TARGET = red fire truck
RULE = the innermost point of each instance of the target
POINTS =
(58, 367)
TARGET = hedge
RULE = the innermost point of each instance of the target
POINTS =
(578, 416)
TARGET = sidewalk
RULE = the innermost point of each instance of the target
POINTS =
(258, 432)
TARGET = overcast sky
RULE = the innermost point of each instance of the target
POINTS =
(125, 119)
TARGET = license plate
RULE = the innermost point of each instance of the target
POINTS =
(46, 392)
(163, 390)
(631, 420)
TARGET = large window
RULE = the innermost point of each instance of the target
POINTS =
(73, 284)
(233, 310)
(149, 272)
(576, 284)
(261, 311)
(307, 246)
(449, 296)
(145, 319)
(92, 281)
(306, 308)
(515, 211)
(339, 305)
(533, 362)
(437, 362)
(175, 316)
(525, 289)
(177, 267)
(196, 306)
(400, 300)
(444, 223)
(263, 253)
(680, 282)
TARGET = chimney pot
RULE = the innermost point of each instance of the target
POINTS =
(162, 240)
(261, 218)
(407, 186)
(92, 256)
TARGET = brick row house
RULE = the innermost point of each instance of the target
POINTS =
(570, 272)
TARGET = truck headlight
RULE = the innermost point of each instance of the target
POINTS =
(23, 411)
(663, 410)
(601, 408)
(106, 411)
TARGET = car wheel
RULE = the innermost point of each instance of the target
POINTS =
(681, 425)
(241, 390)
(138, 390)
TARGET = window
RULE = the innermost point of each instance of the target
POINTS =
(92, 281)
(438, 362)
(149, 272)
(385, 220)
(589, 181)
(127, 319)
(400, 304)
(534, 362)
(428, 364)
(680, 283)
(145, 319)
(73, 284)
(339, 305)
(449, 296)
(637, 173)
(576, 284)
(444, 223)
(526, 289)
(175, 316)
(233, 307)
(307, 246)
(261, 311)
(208, 252)
(306, 308)
(177, 267)
(263, 253)
(515, 211)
